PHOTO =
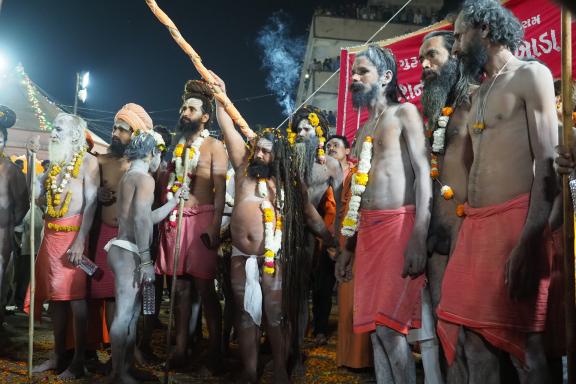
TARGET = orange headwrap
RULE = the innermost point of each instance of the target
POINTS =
(136, 117)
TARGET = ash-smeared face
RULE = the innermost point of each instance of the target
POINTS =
(64, 138)
(305, 130)
(260, 165)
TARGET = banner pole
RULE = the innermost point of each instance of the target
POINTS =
(568, 230)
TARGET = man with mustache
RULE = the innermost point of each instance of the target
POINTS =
(70, 188)
(129, 253)
(390, 208)
(113, 166)
(268, 276)
(445, 102)
(319, 173)
(201, 222)
(338, 147)
(13, 200)
(499, 259)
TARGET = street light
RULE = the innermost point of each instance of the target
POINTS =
(82, 82)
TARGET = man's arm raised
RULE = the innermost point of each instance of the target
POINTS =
(235, 144)
(413, 134)
(522, 275)
(91, 182)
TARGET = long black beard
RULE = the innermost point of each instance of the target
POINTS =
(360, 98)
(474, 60)
(305, 152)
(438, 89)
(116, 147)
(188, 127)
(258, 170)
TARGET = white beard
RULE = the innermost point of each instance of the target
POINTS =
(61, 151)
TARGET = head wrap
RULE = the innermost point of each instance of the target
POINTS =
(136, 117)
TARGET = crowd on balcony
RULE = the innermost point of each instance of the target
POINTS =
(363, 11)
(329, 64)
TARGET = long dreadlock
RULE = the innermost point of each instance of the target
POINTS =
(292, 256)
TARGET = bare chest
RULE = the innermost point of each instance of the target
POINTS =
(497, 102)
(112, 172)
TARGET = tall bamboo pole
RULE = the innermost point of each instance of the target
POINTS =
(32, 170)
(568, 208)
(206, 75)
(185, 181)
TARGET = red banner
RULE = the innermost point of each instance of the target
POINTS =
(542, 41)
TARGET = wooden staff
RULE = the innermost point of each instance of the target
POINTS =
(185, 181)
(206, 75)
(32, 170)
(567, 123)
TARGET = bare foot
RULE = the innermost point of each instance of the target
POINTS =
(51, 364)
(74, 371)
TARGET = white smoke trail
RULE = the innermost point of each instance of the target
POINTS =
(282, 56)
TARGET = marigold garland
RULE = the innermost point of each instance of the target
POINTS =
(359, 182)
(54, 191)
(63, 228)
(272, 235)
(177, 177)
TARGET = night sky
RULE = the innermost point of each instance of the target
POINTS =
(132, 57)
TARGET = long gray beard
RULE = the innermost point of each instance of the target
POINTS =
(62, 151)
(436, 91)
(306, 157)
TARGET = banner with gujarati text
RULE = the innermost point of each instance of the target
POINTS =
(542, 41)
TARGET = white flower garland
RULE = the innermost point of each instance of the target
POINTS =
(177, 178)
(262, 187)
(359, 182)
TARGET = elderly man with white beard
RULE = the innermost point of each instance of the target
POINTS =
(70, 190)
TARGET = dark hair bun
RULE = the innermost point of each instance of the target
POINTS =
(197, 88)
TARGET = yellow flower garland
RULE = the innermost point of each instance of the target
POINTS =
(63, 228)
(54, 198)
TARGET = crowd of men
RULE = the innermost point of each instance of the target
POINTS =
(440, 229)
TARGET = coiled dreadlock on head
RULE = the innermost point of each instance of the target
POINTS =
(199, 89)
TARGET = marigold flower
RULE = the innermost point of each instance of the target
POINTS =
(348, 222)
(313, 119)
(361, 178)
(460, 210)
(447, 111)
(447, 192)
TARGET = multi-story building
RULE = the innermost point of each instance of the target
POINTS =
(334, 29)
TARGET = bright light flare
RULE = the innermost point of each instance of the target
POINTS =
(82, 95)
(86, 80)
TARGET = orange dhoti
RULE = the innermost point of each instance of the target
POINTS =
(56, 278)
(352, 350)
(474, 294)
(195, 258)
(381, 295)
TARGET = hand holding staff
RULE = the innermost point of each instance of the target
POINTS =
(197, 60)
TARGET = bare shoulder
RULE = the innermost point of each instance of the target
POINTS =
(139, 179)
(10, 168)
(406, 109)
(90, 161)
(214, 143)
(410, 117)
(533, 72)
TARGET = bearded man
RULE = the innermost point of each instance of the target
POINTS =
(394, 210)
(113, 165)
(129, 252)
(14, 202)
(320, 173)
(499, 258)
(267, 230)
(206, 177)
(445, 102)
(70, 188)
